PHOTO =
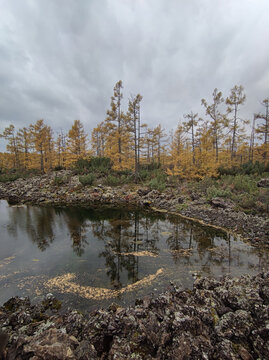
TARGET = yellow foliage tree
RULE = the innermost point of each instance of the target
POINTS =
(76, 142)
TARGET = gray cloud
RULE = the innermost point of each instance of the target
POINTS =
(59, 59)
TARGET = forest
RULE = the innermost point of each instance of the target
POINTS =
(198, 147)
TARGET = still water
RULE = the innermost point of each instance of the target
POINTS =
(91, 257)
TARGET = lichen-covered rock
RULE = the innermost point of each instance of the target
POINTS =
(218, 319)
(51, 344)
(221, 203)
(263, 183)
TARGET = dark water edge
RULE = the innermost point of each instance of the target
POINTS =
(91, 257)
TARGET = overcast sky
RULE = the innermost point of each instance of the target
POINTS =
(60, 59)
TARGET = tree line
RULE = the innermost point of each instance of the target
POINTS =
(197, 147)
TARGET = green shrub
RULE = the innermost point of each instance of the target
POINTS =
(247, 201)
(58, 168)
(248, 168)
(202, 185)
(60, 180)
(14, 174)
(263, 197)
(112, 180)
(126, 179)
(9, 177)
(150, 166)
(99, 165)
(144, 174)
(125, 172)
(157, 184)
(87, 179)
(245, 183)
(213, 192)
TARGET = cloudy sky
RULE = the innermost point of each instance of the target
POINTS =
(60, 59)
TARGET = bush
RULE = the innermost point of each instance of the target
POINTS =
(126, 179)
(213, 192)
(157, 184)
(248, 168)
(101, 165)
(150, 166)
(144, 175)
(124, 172)
(9, 177)
(112, 180)
(59, 168)
(87, 179)
(202, 185)
(60, 180)
(241, 183)
(247, 201)
(14, 174)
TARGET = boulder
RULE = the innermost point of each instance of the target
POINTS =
(221, 203)
(263, 183)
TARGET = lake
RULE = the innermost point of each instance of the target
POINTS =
(90, 258)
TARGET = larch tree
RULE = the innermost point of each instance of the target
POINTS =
(49, 148)
(206, 164)
(235, 99)
(12, 146)
(98, 140)
(25, 143)
(159, 137)
(252, 139)
(218, 120)
(189, 127)
(60, 147)
(148, 140)
(43, 143)
(263, 128)
(176, 151)
(77, 141)
(117, 133)
(134, 127)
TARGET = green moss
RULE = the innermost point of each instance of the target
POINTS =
(52, 304)
(181, 207)
(214, 316)
(236, 347)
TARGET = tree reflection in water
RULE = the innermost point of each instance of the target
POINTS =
(126, 234)
(38, 222)
(123, 233)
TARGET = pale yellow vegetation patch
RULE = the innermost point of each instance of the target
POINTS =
(182, 252)
(65, 283)
(4, 277)
(138, 253)
(6, 261)
(29, 281)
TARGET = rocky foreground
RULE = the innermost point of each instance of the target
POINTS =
(45, 189)
(226, 319)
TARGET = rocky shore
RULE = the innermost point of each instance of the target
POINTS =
(46, 190)
(225, 319)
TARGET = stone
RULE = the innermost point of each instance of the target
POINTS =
(218, 319)
(263, 183)
(221, 203)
